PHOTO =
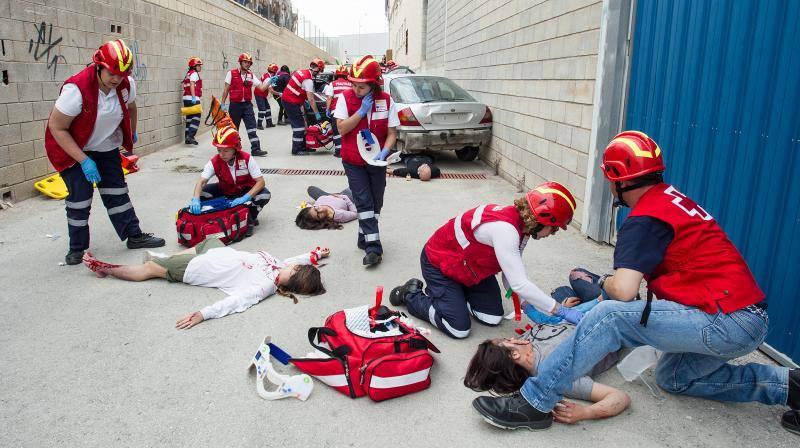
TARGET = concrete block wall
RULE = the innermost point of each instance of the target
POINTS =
(533, 63)
(43, 42)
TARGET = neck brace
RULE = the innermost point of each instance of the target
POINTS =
(297, 386)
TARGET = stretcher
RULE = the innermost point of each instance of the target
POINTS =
(54, 186)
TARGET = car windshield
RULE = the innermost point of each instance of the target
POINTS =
(426, 89)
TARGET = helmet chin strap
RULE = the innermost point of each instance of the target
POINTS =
(620, 189)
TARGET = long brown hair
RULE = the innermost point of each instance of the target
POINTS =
(492, 369)
(307, 281)
(531, 224)
(305, 221)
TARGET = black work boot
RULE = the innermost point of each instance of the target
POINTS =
(74, 257)
(791, 421)
(258, 153)
(398, 295)
(194, 141)
(144, 241)
(259, 126)
(250, 228)
(794, 389)
(512, 412)
(371, 259)
(270, 124)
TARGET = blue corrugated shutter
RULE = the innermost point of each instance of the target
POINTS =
(717, 85)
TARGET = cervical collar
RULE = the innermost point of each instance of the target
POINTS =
(297, 386)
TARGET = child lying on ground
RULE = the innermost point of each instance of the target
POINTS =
(247, 278)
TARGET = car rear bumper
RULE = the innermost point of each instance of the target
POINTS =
(452, 139)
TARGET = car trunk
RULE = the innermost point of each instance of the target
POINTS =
(450, 115)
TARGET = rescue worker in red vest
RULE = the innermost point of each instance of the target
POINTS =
(298, 90)
(390, 65)
(332, 90)
(710, 309)
(192, 92)
(366, 106)
(94, 115)
(460, 260)
(238, 177)
(262, 97)
(239, 83)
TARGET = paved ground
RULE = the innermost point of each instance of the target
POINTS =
(91, 362)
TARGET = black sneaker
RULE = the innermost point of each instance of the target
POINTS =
(512, 412)
(794, 389)
(398, 295)
(270, 124)
(371, 259)
(194, 141)
(258, 153)
(74, 257)
(187, 141)
(260, 127)
(791, 421)
(337, 154)
(145, 241)
(283, 123)
(249, 232)
(255, 222)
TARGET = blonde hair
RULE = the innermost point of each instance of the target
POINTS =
(526, 214)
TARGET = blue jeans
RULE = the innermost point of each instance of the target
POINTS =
(697, 347)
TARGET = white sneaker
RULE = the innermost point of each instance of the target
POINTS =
(149, 255)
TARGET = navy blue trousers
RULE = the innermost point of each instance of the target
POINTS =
(192, 121)
(113, 191)
(368, 184)
(211, 191)
(264, 111)
(449, 304)
(244, 112)
(295, 114)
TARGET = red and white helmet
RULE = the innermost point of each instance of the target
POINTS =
(631, 154)
(552, 204)
(226, 137)
(341, 70)
(115, 56)
(245, 57)
(390, 64)
(272, 68)
(367, 70)
(317, 63)
(195, 61)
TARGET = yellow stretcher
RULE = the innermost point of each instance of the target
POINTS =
(192, 110)
(55, 187)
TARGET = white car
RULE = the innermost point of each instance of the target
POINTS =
(436, 114)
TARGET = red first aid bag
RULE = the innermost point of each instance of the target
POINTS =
(318, 136)
(229, 225)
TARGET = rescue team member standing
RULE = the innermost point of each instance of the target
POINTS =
(460, 261)
(299, 89)
(239, 83)
(192, 92)
(279, 82)
(94, 114)
(710, 310)
(262, 98)
(333, 90)
(238, 177)
(366, 106)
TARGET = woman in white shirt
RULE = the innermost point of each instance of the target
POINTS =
(247, 278)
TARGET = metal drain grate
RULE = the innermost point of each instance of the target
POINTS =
(299, 172)
(472, 176)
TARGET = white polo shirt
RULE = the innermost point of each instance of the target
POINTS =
(107, 133)
(252, 168)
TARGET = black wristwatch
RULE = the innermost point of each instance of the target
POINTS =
(603, 279)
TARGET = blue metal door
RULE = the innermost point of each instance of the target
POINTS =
(717, 85)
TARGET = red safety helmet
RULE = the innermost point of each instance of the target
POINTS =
(115, 56)
(552, 204)
(272, 68)
(245, 57)
(366, 69)
(318, 63)
(390, 64)
(341, 70)
(631, 154)
(226, 137)
(195, 61)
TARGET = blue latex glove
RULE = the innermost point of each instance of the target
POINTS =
(382, 155)
(538, 316)
(135, 137)
(90, 170)
(318, 116)
(224, 107)
(195, 100)
(328, 113)
(571, 315)
(241, 200)
(366, 105)
(194, 206)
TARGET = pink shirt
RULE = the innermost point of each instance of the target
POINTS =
(343, 208)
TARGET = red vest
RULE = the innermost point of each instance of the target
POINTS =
(339, 86)
(701, 267)
(82, 125)
(198, 86)
(378, 123)
(230, 186)
(294, 93)
(264, 79)
(454, 250)
(241, 89)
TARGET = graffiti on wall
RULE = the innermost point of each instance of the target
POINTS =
(139, 71)
(224, 61)
(45, 47)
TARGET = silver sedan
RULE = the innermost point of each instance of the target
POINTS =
(436, 114)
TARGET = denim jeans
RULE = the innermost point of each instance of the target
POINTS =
(696, 347)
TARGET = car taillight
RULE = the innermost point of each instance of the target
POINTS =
(407, 118)
(487, 117)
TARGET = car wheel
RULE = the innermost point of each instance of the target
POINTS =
(467, 153)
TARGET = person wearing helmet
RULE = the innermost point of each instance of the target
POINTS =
(339, 84)
(298, 90)
(239, 83)
(390, 65)
(460, 260)
(710, 308)
(262, 97)
(94, 115)
(366, 108)
(192, 92)
(238, 176)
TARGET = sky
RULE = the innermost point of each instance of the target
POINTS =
(339, 17)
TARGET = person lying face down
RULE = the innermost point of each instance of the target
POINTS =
(418, 166)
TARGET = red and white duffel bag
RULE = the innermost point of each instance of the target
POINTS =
(318, 136)
(217, 220)
(369, 351)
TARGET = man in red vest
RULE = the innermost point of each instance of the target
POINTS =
(239, 83)
(192, 94)
(460, 261)
(94, 115)
(298, 90)
(332, 91)
(710, 309)
(238, 177)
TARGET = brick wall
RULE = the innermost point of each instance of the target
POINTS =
(533, 63)
(42, 42)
